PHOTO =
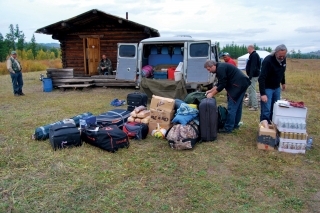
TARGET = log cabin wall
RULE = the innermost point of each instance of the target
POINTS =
(110, 29)
(73, 53)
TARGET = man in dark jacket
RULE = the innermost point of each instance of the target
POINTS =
(272, 74)
(105, 66)
(253, 72)
(235, 83)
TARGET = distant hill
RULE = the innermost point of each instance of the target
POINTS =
(317, 53)
(49, 45)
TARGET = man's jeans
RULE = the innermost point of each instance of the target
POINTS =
(253, 102)
(17, 82)
(273, 96)
(234, 113)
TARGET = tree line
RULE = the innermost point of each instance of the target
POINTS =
(15, 40)
(238, 50)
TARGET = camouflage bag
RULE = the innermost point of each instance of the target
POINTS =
(181, 137)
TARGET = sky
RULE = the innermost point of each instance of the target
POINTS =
(266, 23)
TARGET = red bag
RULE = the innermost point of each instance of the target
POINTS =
(171, 71)
(136, 130)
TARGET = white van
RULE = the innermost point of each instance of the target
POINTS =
(157, 51)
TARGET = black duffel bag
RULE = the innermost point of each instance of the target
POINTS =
(109, 138)
(64, 136)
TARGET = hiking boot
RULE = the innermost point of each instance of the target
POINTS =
(16, 94)
(224, 131)
(22, 94)
(253, 109)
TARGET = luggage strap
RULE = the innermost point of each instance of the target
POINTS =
(119, 115)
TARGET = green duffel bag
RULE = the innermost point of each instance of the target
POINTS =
(195, 97)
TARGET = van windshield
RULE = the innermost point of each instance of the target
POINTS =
(199, 50)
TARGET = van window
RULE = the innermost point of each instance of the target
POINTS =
(127, 51)
(199, 50)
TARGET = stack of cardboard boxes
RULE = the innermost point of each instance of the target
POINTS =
(162, 112)
(291, 125)
(288, 129)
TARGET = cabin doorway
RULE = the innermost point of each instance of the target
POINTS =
(92, 55)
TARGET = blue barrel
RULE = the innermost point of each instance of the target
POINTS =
(47, 84)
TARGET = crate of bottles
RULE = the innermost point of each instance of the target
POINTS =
(292, 142)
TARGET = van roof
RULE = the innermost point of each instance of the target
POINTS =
(170, 39)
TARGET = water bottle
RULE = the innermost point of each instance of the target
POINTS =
(309, 143)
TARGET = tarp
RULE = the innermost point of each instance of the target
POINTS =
(242, 60)
(164, 88)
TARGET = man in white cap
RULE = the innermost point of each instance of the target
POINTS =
(227, 58)
(14, 67)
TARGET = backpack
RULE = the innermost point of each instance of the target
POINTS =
(147, 71)
(222, 116)
(181, 137)
(136, 130)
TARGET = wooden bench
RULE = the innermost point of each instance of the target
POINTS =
(74, 86)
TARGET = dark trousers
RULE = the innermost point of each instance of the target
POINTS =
(234, 113)
(17, 82)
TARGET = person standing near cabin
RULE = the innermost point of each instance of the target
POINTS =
(272, 75)
(235, 83)
(15, 69)
(227, 58)
(105, 66)
(253, 72)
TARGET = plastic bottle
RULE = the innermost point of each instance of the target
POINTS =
(309, 143)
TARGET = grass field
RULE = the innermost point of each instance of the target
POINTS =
(228, 175)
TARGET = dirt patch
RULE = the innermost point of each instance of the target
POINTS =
(2, 138)
(314, 203)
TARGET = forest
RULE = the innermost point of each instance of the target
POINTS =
(27, 50)
(31, 50)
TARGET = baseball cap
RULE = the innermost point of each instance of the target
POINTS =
(225, 53)
(13, 52)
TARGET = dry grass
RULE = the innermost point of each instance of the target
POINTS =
(229, 175)
(33, 65)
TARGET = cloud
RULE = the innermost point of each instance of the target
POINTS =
(309, 29)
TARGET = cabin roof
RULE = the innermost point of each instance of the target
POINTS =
(91, 16)
(172, 39)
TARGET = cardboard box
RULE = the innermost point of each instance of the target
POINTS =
(161, 103)
(267, 137)
(264, 146)
(292, 146)
(287, 112)
(153, 126)
(161, 116)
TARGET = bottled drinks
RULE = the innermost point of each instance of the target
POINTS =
(309, 143)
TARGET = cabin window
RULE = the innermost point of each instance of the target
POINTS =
(199, 50)
(127, 51)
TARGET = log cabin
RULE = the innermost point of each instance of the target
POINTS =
(84, 38)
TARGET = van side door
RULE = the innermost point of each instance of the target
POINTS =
(127, 61)
(198, 52)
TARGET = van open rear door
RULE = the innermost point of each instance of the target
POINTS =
(198, 53)
(127, 61)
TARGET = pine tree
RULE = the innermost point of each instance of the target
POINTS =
(33, 46)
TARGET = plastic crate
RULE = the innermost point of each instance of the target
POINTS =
(160, 75)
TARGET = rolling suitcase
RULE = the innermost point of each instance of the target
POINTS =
(116, 117)
(136, 99)
(208, 113)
